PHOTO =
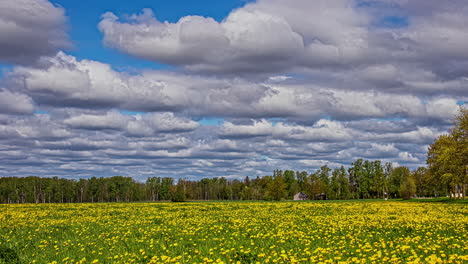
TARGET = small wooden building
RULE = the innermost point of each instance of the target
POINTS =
(300, 196)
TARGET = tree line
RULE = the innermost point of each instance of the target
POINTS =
(446, 175)
(363, 180)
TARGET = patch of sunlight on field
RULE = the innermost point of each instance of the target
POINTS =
(244, 232)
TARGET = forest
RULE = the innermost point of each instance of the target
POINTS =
(446, 175)
(363, 180)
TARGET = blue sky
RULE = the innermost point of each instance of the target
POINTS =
(85, 15)
(216, 88)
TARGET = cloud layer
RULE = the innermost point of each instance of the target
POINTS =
(30, 29)
(261, 37)
(292, 85)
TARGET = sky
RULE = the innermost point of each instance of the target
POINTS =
(235, 88)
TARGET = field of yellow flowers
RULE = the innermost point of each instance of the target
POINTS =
(235, 232)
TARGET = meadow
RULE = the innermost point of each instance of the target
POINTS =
(235, 232)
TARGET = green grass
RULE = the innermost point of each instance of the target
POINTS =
(441, 200)
(362, 231)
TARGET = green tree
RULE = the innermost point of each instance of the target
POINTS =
(398, 175)
(301, 178)
(356, 179)
(153, 186)
(388, 169)
(177, 193)
(379, 180)
(276, 188)
(448, 157)
(407, 187)
(291, 184)
(343, 183)
(314, 186)
(422, 180)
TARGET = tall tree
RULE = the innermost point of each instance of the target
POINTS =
(379, 180)
(422, 182)
(276, 188)
(356, 179)
(407, 186)
(398, 175)
(291, 184)
(343, 183)
(448, 157)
